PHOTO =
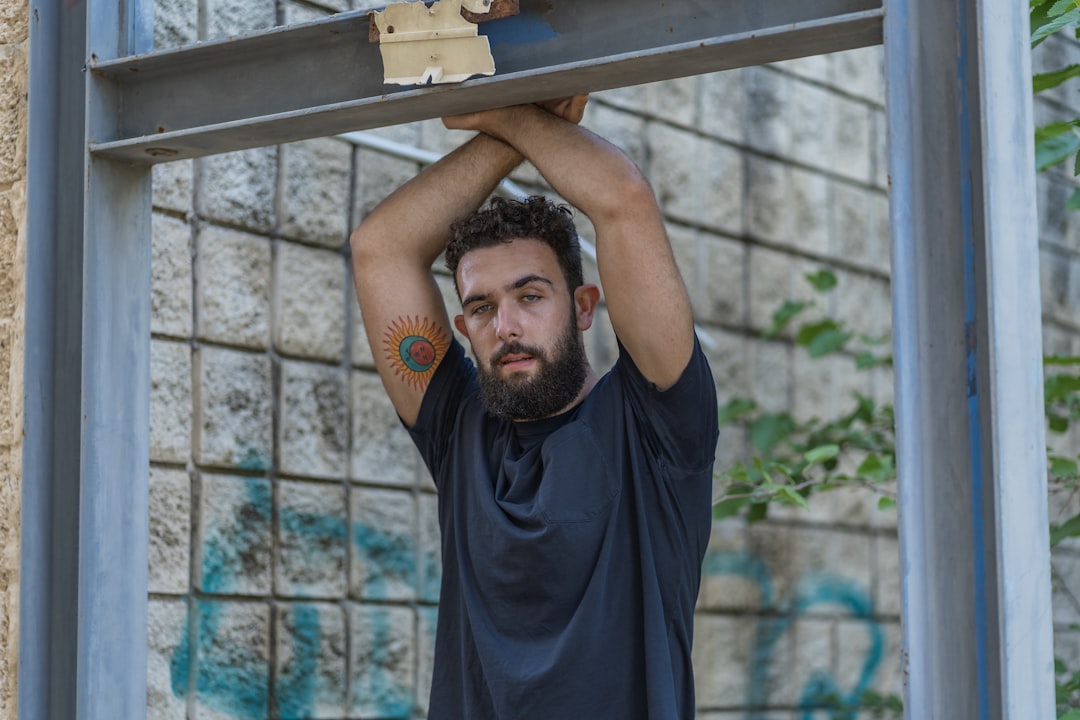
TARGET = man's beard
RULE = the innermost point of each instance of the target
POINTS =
(558, 379)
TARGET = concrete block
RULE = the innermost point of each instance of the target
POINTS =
(723, 659)
(313, 535)
(309, 317)
(675, 101)
(851, 143)
(635, 98)
(313, 431)
(891, 673)
(880, 152)
(166, 624)
(13, 23)
(863, 304)
(13, 82)
(723, 105)
(382, 662)
(1051, 197)
(1066, 588)
(315, 205)
(383, 545)
(771, 374)
(850, 218)
(232, 660)
(729, 362)
(1054, 281)
(173, 185)
(862, 661)
(425, 651)
(813, 67)
(429, 573)
(170, 531)
(814, 386)
(234, 536)
(623, 129)
(378, 175)
(811, 664)
(171, 279)
(787, 205)
(861, 72)
(176, 23)
(311, 680)
(887, 575)
(238, 188)
(731, 579)
(233, 409)
(811, 110)
(228, 18)
(1067, 647)
(233, 290)
(696, 179)
(170, 401)
(360, 353)
(828, 565)
(769, 125)
(381, 449)
(601, 345)
(722, 297)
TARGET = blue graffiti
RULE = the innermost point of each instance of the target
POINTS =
(821, 693)
(235, 680)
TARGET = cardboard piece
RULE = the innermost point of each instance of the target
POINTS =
(421, 44)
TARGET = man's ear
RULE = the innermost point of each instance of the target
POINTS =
(586, 298)
(459, 323)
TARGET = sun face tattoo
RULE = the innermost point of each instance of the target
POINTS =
(414, 347)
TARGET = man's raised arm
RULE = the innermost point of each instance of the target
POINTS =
(646, 298)
(392, 253)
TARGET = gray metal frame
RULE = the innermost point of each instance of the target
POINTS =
(978, 634)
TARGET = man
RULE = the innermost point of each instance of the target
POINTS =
(574, 509)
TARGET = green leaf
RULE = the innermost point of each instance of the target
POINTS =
(1069, 528)
(1061, 360)
(736, 408)
(1063, 467)
(1056, 147)
(822, 280)
(1047, 80)
(1060, 22)
(1071, 715)
(769, 430)
(1060, 7)
(822, 453)
(784, 315)
(828, 342)
(1073, 202)
(886, 503)
(1057, 424)
(790, 495)
(758, 511)
(729, 508)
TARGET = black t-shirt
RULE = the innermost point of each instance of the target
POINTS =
(571, 547)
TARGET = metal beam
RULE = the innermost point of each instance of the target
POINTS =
(324, 78)
(82, 644)
(967, 346)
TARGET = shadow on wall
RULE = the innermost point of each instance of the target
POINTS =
(233, 679)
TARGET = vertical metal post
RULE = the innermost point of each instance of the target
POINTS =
(82, 650)
(970, 426)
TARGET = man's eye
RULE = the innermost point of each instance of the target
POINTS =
(480, 309)
(530, 298)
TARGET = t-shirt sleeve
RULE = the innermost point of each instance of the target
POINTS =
(453, 381)
(682, 420)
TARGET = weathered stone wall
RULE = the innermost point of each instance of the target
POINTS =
(13, 81)
(294, 544)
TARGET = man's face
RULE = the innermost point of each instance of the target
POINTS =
(524, 328)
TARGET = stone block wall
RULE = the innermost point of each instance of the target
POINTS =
(13, 107)
(294, 541)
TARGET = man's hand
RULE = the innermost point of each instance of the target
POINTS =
(570, 108)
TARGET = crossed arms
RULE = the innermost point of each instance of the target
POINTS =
(395, 245)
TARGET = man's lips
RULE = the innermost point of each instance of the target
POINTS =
(514, 361)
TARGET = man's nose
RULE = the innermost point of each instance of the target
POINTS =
(508, 324)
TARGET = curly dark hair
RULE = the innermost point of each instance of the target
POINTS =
(504, 220)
